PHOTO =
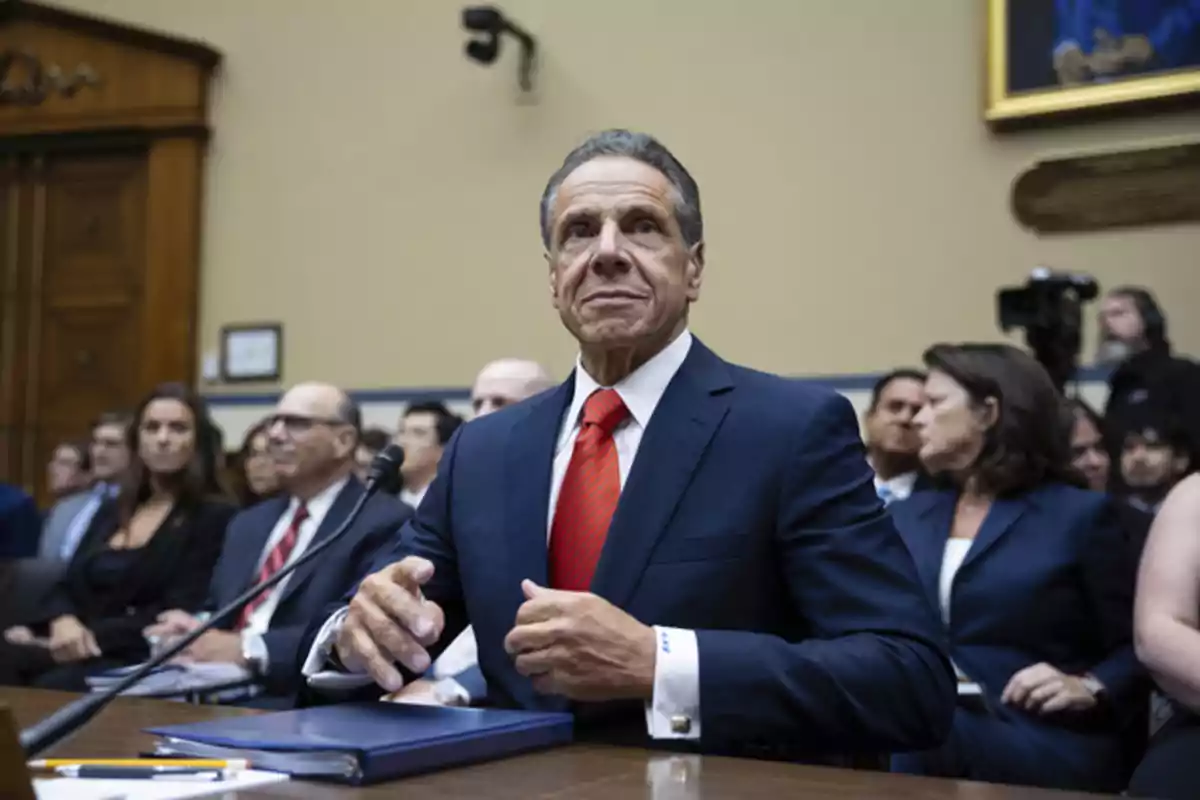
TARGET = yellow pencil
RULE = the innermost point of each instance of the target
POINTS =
(54, 763)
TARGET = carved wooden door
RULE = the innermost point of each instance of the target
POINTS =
(79, 276)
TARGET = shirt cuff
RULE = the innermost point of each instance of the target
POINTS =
(254, 651)
(674, 711)
(318, 669)
(450, 692)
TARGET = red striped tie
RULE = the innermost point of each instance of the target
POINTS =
(589, 494)
(274, 562)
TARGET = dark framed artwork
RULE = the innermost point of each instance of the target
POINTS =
(1054, 57)
(252, 353)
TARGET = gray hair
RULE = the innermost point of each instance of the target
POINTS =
(640, 147)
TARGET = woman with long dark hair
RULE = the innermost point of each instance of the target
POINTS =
(1029, 571)
(150, 549)
(254, 474)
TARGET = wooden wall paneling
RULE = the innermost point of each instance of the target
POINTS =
(171, 294)
(100, 251)
(142, 79)
(91, 276)
(12, 311)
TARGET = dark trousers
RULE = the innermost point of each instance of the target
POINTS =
(1006, 746)
(31, 665)
(1169, 770)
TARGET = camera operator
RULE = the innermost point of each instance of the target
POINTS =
(1148, 381)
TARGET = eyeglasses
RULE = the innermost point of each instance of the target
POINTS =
(297, 423)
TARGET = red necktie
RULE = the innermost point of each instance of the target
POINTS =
(274, 562)
(589, 494)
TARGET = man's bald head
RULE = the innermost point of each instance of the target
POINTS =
(312, 435)
(506, 381)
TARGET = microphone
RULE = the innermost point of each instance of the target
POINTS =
(74, 715)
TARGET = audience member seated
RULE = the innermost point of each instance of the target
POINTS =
(1089, 455)
(69, 471)
(372, 441)
(1028, 570)
(312, 438)
(150, 549)
(1147, 376)
(1167, 627)
(1089, 448)
(20, 524)
(255, 477)
(891, 439)
(1154, 456)
(455, 677)
(424, 431)
(506, 381)
(71, 517)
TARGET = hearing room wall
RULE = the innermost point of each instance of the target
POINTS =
(377, 193)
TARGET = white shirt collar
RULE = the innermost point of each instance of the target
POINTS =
(320, 504)
(900, 486)
(640, 390)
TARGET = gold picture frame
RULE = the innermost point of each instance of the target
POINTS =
(1005, 106)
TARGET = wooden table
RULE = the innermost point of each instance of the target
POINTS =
(578, 772)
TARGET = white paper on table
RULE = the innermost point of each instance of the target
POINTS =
(103, 789)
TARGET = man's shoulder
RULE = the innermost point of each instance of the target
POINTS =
(498, 423)
(385, 509)
(71, 503)
(785, 400)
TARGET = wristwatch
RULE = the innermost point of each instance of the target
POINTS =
(254, 653)
(447, 692)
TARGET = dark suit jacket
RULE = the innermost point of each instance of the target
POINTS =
(20, 524)
(750, 516)
(173, 572)
(313, 586)
(1047, 579)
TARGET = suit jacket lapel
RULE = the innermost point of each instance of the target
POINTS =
(254, 540)
(671, 448)
(999, 520)
(926, 540)
(334, 517)
(528, 469)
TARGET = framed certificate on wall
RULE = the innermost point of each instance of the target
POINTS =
(252, 353)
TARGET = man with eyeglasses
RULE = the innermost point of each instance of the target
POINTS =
(312, 436)
(69, 519)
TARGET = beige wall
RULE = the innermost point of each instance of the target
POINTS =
(376, 192)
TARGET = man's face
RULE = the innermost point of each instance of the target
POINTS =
(620, 271)
(110, 452)
(65, 471)
(306, 437)
(1149, 462)
(1121, 321)
(418, 436)
(890, 424)
(503, 383)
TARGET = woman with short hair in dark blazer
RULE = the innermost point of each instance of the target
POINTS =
(152, 548)
(1029, 572)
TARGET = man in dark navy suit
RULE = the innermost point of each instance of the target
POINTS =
(313, 435)
(673, 547)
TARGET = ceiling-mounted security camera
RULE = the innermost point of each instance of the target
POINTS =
(490, 24)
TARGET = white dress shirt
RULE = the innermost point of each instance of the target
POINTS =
(677, 664)
(898, 487)
(253, 645)
(953, 556)
(413, 498)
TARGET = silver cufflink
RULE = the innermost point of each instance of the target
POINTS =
(680, 724)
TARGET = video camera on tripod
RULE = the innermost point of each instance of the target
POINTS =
(1049, 307)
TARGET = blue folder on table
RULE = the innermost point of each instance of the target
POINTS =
(364, 743)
